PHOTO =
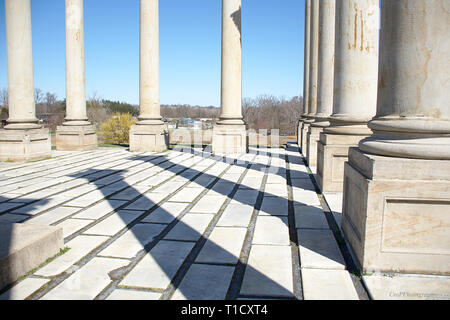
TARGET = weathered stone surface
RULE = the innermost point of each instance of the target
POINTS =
(114, 223)
(319, 250)
(20, 145)
(53, 215)
(383, 287)
(321, 284)
(268, 272)
(271, 231)
(124, 294)
(274, 206)
(79, 247)
(187, 195)
(87, 282)
(134, 240)
(392, 223)
(223, 246)
(190, 227)
(70, 226)
(158, 267)
(236, 215)
(23, 289)
(209, 204)
(99, 210)
(307, 217)
(146, 202)
(166, 213)
(24, 247)
(76, 137)
(204, 282)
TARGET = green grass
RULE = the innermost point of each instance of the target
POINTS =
(60, 253)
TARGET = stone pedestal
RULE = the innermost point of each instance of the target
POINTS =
(76, 138)
(228, 139)
(149, 138)
(396, 213)
(332, 153)
(24, 247)
(304, 138)
(311, 149)
(22, 145)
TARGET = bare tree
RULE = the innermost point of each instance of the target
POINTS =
(4, 97)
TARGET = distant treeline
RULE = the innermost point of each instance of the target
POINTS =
(263, 112)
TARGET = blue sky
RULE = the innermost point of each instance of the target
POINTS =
(272, 56)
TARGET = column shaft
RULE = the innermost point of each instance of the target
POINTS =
(326, 60)
(22, 113)
(75, 76)
(231, 91)
(356, 66)
(150, 112)
(413, 113)
(314, 59)
(306, 57)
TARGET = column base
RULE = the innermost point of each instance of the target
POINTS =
(76, 138)
(311, 149)
(153, 138)
(24, 145)
(229, 139)
(395, 213)
(332, 152)
(304, 137)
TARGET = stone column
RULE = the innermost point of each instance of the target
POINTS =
(313, 72)
(325, 78)
(229, 134)
(150, 133)
(305, 74)
(355, 88)
(23, 138)
(397, 184)
(76, 133)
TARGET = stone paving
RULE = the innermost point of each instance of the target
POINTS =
(179, 225)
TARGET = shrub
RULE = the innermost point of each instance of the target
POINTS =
(117, 129)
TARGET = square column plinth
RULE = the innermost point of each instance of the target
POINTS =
(154, 138)
(332, 152)
(396, 213)
(229, 139)
(23, 145)
(311, 148)
(304, 137)
(76, 138)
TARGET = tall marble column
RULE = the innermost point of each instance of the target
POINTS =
(150, 133)
(325, 78)
(312, 73)
(23, 138)
(355, 88)
(229, 134)
(397, 184)
(76, 133)
(305, 74)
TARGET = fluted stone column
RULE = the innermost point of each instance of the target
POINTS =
(150, 133)
(397, 184)
(76, 133)
(23, 138)
(355, 88)
(305, 75)
(325, 78)
(229, 135)
(313, 72)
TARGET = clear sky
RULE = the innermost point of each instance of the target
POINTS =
(272, 56)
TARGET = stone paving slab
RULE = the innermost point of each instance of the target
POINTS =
(274, 206)
(318, 249)
(114, 223)
(158, 267)
(223, 246)
(166, 213)
(23, 289)
(268, 272)
(204, 282)
(236, 215)
(271, 231)
(190, 227)
(307, 217)
(123, 294)
(99, 210)
(134, 240)
(328, 285)
(87, 282)
(404, 287)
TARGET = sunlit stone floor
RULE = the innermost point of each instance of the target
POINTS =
(179, 225)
